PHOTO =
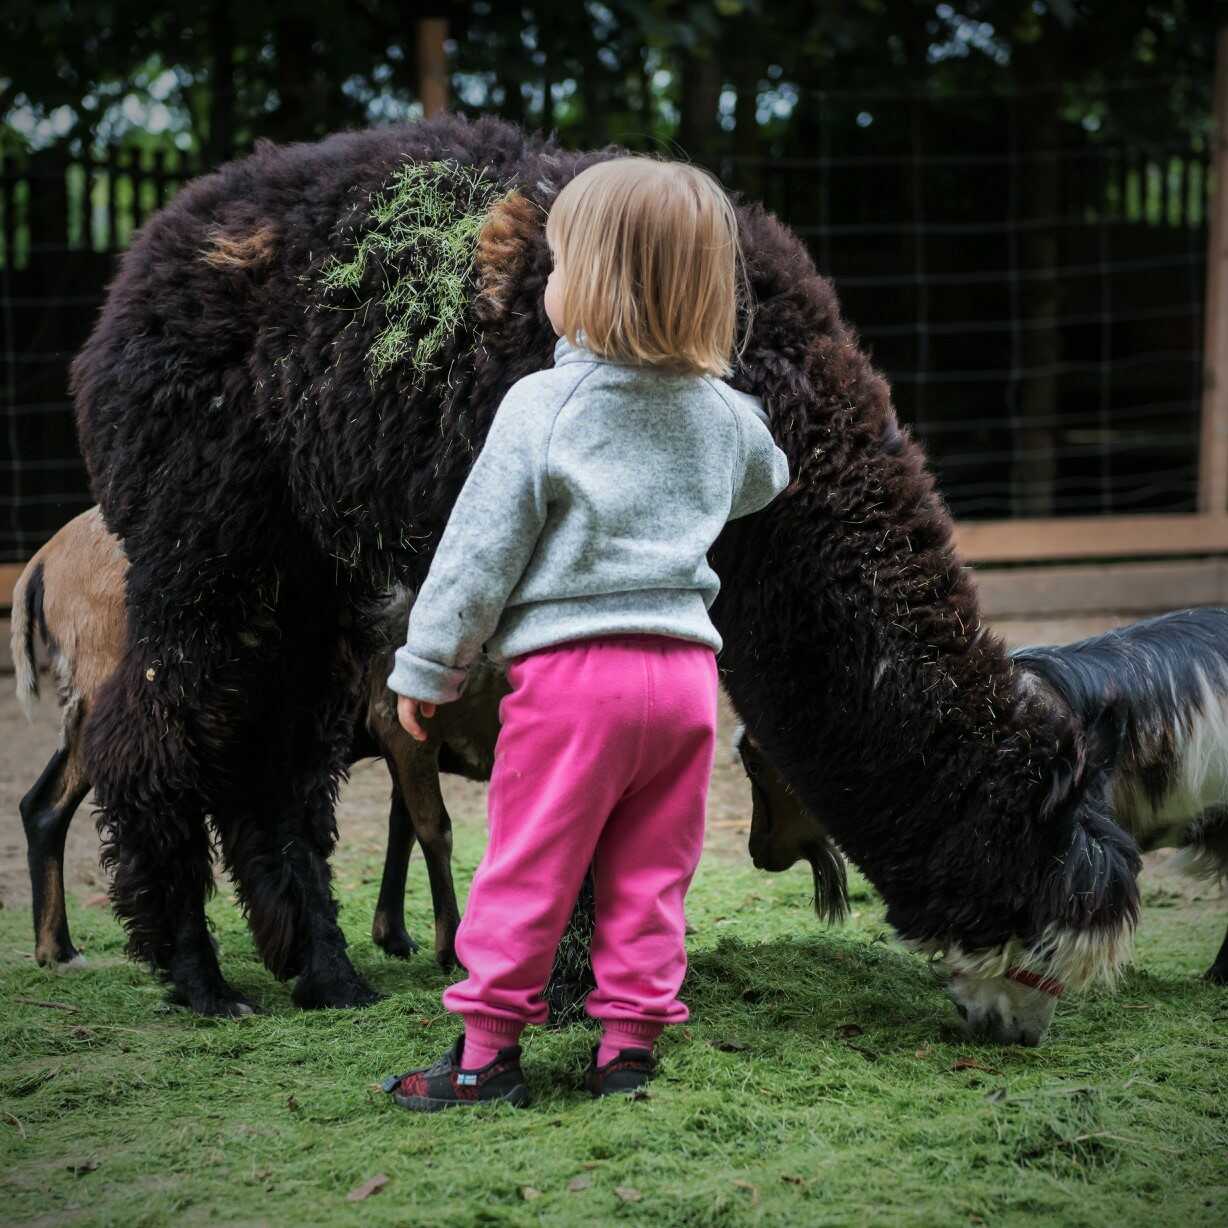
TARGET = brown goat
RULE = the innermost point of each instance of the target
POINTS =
(71, 598)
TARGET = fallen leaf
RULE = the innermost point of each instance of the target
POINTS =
(372, 1185)
(576, 1184)
(101, 900)
(923, 1052)
(850, 1029)
(752, 1190)
(529, 1192)
(628, 1193)
(970, 1063)
(729, 1046)
(79, 1168)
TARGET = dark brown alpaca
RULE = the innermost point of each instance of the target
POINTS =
(268, 493)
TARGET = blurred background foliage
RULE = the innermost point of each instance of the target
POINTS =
(212, 76)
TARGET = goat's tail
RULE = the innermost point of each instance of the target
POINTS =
(831, 887)
(27, 604)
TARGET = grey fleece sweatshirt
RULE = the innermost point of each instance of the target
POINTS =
(590, 511)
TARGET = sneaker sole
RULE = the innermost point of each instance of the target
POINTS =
(517, 1097)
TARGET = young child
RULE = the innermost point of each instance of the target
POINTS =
(577, 553)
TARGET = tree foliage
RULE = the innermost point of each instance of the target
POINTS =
(717, 77)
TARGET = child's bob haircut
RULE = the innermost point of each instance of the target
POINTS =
(649, 256)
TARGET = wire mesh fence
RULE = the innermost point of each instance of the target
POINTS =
(1033, 292)
(62, 222)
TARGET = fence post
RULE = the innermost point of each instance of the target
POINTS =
(1213, 450)
(432, 64)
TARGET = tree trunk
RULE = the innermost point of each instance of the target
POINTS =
(701, 93)
(1034, 468)
(747, 175)
(296, 117)
(432, 65)
(221, 83)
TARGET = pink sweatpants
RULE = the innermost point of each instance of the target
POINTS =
(603, 759)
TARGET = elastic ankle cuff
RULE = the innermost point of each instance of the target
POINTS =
(492, 1031)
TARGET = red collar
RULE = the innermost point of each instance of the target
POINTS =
(1033, 980)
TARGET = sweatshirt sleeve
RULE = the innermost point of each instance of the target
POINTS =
(763, 469)
(486, 546)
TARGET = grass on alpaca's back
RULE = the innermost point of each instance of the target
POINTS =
(814, 1085)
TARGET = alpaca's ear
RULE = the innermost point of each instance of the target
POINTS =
(1094, 884)
(513, 228)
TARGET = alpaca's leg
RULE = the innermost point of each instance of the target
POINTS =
(388, 926)
(46, 812)
(281, 873)
(1217, 974)
(157, 846)
(417, 780)
(277, 843)
(161, 747)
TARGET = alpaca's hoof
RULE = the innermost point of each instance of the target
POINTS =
(1217, 974)
(340, 993)
(445, 957)
(217, 1004)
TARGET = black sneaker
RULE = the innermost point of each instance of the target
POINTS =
(447, 1084)
(626, 1072)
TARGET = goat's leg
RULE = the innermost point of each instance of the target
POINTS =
(388, 926)
(437, 853)
(1217, 974)
(416, 772)
(46, 812)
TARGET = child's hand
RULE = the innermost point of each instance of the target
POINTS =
(408, 711)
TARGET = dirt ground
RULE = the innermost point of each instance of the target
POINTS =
(362, 814)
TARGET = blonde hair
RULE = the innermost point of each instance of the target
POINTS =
(651, 266)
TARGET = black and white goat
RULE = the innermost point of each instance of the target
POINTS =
(1152, 700)
(1153, 697)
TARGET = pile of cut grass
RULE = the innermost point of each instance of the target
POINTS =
(821, 1082)
(416, 248)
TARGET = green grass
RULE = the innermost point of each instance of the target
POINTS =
(415, 258)
(834, 1103)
